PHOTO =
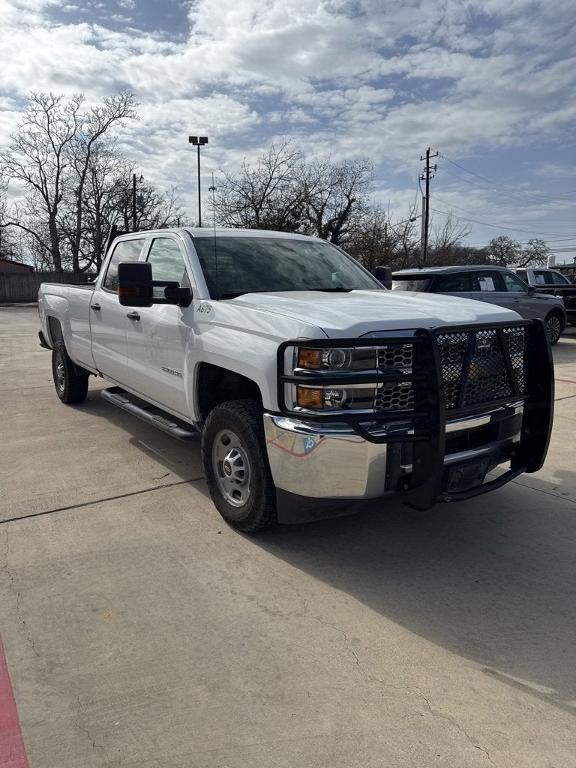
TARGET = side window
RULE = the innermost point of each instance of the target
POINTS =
(541, 277)
(167, 263)
(459, 282)
(487, 282)
(125, 250)
(558, 278)
(513, 284)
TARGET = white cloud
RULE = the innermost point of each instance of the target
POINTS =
(348, 77)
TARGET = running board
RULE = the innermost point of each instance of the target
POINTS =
(150, 414)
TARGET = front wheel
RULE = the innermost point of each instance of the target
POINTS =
(554, 327)
(236, 466)
(71, 385)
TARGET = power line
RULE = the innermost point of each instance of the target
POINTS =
(493, 226)
(495, 187)
(555, 235)
(510, 196)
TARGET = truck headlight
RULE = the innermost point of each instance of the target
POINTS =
(336, 358)
(334, 379)
(351, 397)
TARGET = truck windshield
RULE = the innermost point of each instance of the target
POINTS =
(236, 265)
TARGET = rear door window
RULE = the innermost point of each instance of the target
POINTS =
(487, 281)
(125, 250)
(457, 282)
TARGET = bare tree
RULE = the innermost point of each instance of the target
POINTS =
(38, 158)
(447, 236)
(503, 250)
(50, 155)
(94, 124)
(534, 253)
(283, 192)
(7, 244)
(335, 195)
(265, 195)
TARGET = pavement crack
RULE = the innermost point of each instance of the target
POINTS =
(83, 728)
(336, 628)
(436, 713)
(102, 500)
(18, 597)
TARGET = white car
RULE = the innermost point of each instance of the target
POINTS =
(313, 388)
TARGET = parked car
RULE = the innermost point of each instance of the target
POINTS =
(554, 283)
(312, 387)
(496, 285)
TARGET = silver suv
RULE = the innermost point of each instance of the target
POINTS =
(496, 285)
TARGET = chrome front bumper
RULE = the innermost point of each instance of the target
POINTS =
(323, 462)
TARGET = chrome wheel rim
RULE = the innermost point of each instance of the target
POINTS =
(231, 468)
(60, 374)
(553, 327)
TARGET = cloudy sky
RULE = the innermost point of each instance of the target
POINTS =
(490, 85)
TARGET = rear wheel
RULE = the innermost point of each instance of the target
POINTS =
(71, 384)
(236, 465)
(554, 326)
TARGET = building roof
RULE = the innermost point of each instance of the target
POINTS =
(17, 264)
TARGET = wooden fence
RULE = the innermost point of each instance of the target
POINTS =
(22, 287)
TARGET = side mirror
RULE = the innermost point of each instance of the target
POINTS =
(384, 274)
(135, 288)
(176, 295)
(531, 290)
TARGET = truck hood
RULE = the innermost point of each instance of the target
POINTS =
(359, 312)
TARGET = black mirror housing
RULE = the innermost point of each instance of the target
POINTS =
(135, 287)
(177, 295)
(384, 275)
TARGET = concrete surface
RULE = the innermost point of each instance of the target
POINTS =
(141, 631)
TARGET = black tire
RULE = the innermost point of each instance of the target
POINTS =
(554, 326)
(71, 384)
(241, 419)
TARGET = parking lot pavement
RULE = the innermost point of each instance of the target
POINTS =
(140, 631)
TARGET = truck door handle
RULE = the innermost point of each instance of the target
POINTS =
(133, 315)
(95, 307)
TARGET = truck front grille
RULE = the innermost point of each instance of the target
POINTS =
(477, 367)
(399, 396)
(474, 365)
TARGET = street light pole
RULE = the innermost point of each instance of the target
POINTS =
(199, 141)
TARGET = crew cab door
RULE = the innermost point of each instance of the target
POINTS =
(107, 317)
(158, 337)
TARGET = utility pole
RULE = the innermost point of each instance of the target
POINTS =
(199, 141)
(133, 202)
(428, 174)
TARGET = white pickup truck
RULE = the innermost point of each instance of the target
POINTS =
(312, 386)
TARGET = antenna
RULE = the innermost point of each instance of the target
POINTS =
(213, 190)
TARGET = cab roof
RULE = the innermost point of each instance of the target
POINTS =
(428, 271)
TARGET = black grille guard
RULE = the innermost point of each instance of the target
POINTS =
(423, 487)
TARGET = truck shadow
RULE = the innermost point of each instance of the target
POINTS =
(492, 579)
